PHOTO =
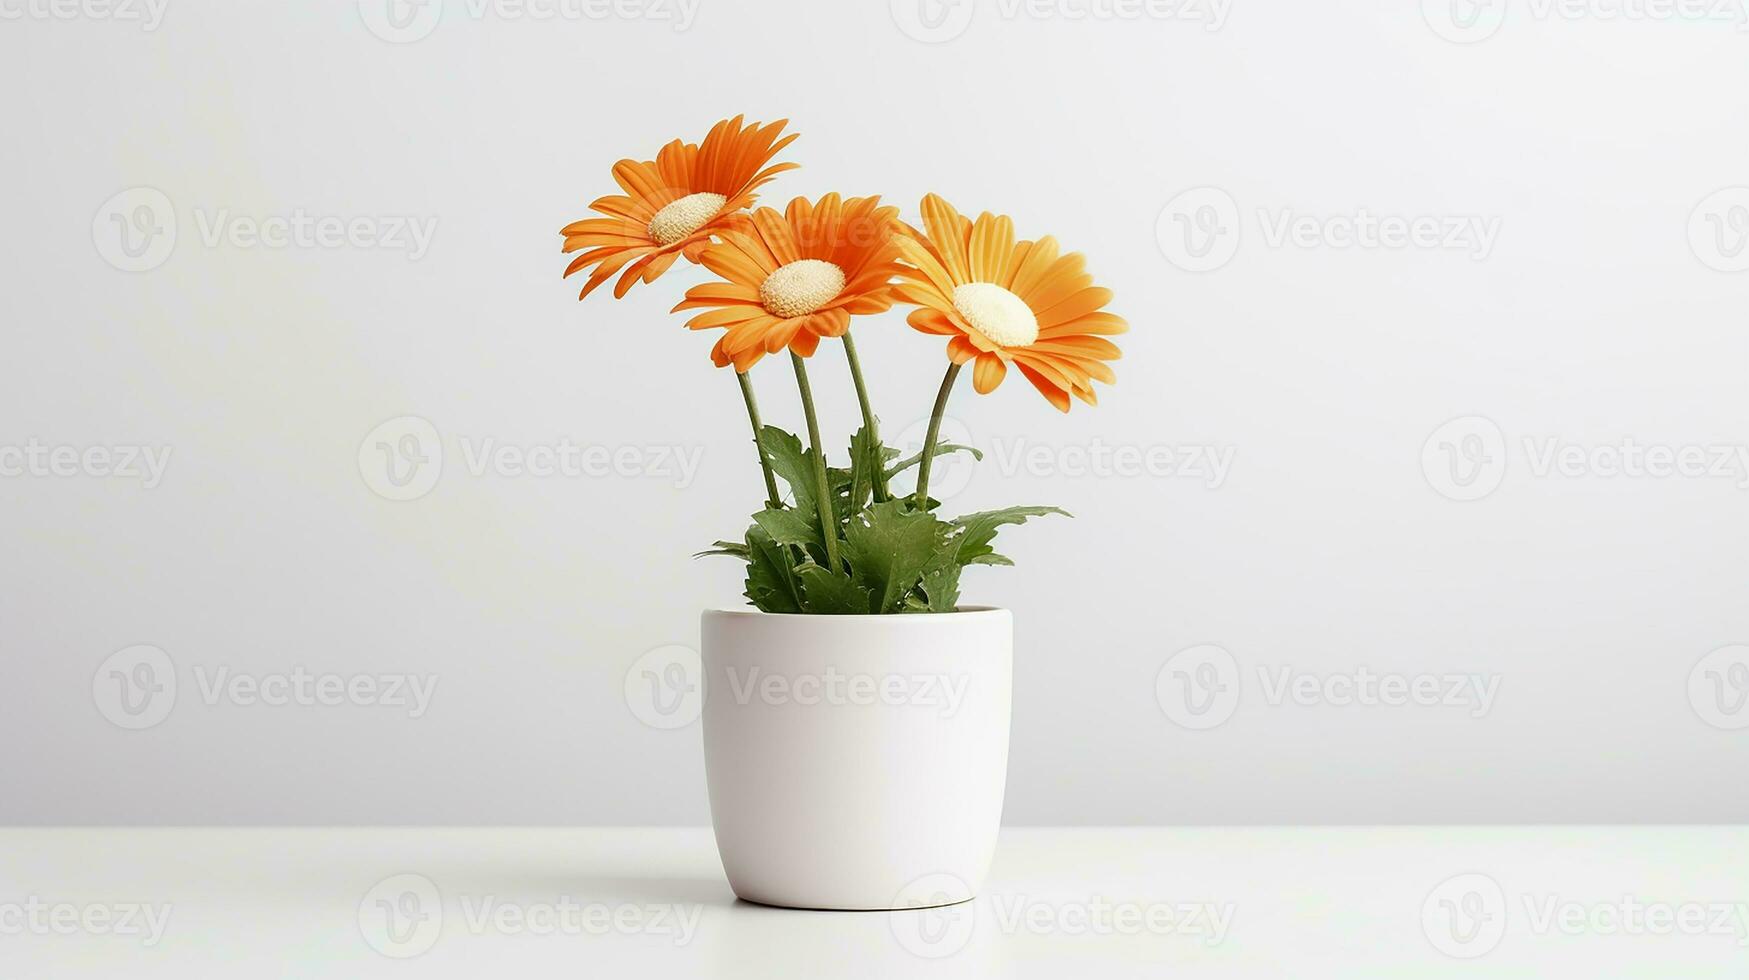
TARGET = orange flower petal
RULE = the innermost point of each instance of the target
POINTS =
(960, 350)
(1056, 396)
(1102, 323)
(932, 321)
(987, 373)
(948, 232)
(992, 241)
(804, 343)
(1080, 304)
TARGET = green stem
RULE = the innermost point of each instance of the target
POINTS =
(953, 372)
(868, 419)
(822, 489)
(771, 495)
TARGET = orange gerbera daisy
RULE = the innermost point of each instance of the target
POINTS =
(1004, 301)
(674, 203)
(793, 278)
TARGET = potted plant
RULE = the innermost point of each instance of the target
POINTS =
(856, 717)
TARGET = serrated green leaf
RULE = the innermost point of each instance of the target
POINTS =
(941, 449)
(794, 464)
(979, 529)
(771, 581)
(888, 546)
(865, 465)
(734, 549)
(941, 588)
(830, 593)
(789, 527)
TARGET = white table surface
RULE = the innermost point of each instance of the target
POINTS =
(1095, 903)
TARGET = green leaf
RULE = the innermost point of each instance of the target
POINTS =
(734, 549)
(789, 527)
(832, 593)
(795, 465)
(941, 449)
(771, 580)
(941, 588)
(888, 546)
(980, 529)
(866, 459)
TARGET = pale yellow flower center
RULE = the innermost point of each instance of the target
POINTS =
(685, 216)
(801, 287)
(997, 313)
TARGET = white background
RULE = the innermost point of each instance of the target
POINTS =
(1333, 544)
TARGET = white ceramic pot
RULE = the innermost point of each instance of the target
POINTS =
(857, 762)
